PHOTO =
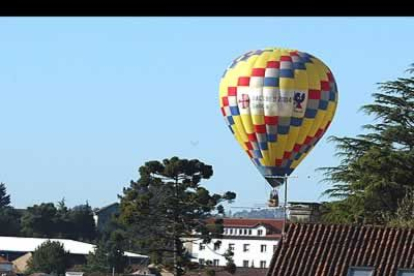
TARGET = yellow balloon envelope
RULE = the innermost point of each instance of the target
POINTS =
(278, 103)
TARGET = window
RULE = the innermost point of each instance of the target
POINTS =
(240, 231)
(405, 272)
(263, 248)
(260, 232)
(245, 231)
(217, 245)
(215, 262)
(250, 231)
(231, 231)
(231, 246)
(201, 246)
(245, 263)
(201, 261)
(246, 247)
(262, 264)
(360, 271)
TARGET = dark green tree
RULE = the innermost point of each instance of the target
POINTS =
(47, 221)
(64, 228)
(50, 257)
(97, 261)
(230, 265)
(115, 247)
(4, 197)
(40, 221)
(9, 218)
(167, 204)
(404, 216)
(82, 222)
(377, 168)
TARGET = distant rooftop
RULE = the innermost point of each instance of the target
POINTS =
(19, 244)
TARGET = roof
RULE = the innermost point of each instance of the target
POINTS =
(19, 244)
(240, 271)
(39, 274)
(106, 207)
(304, 203)
(4, 261)
(329, 250)
(252, 222)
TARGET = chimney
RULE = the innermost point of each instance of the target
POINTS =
(308, 212)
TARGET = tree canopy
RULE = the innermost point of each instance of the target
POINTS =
(9, 218)
(376, 171)
(50, 257)
(167, 204)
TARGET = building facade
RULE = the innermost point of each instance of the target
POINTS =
(103, 215)
(252, 242)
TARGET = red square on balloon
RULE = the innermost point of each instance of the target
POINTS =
(260, 128)
(252, 137)
(270, 120)
(232, 91)
(244, 81)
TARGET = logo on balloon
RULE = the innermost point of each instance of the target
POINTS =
(299, 98)
(245, 101)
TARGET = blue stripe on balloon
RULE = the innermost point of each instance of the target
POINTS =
(283, 129)
(299, 66)
(296, 121)
(234, 110)
(263, 146)
(286, 73)
(230, 119)
(272, 82)
(271, 137)
(323, 105)
(332, 95)
(310, 113)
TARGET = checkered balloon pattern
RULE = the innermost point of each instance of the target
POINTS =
(278, 103)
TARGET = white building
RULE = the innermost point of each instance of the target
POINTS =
(252, 241)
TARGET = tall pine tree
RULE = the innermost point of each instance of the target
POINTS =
(166, 205)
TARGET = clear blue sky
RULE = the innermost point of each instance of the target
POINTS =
(86, 101)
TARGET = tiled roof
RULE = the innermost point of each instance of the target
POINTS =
(329, 250)
(240, 271)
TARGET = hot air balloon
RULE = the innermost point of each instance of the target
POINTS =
(278, 103)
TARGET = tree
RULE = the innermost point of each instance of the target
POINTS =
(40, 221)
(97, 261)
(63, 227)
(4, 197)
(82, 222)
(49, 257)
(168, 204)
(377, 168)
(47, 221)
(9, 218)
(109, 254)
(404, 216)
(230, 265)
